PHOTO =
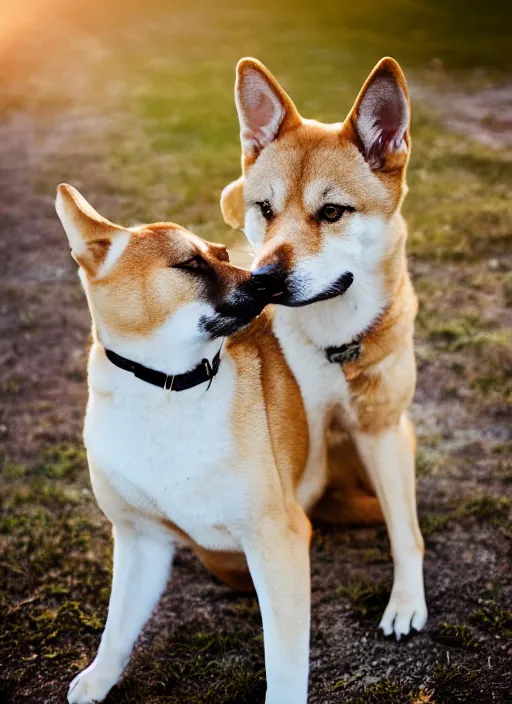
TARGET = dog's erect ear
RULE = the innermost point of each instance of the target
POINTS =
(379, 120)
(232, 204)
(264, 109)
(218, 250)
(90, 235)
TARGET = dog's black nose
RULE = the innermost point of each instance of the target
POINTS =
(268, 281)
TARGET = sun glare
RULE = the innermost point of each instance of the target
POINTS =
(17, 16)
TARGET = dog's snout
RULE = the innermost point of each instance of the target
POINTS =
(268, 281)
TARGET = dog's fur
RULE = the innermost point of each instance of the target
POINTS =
(342, 279)
(217, 468)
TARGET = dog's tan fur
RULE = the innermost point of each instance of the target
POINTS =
(171, 467)
(378, 399)
(285, 155)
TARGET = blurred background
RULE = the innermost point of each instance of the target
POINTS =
(132, 103)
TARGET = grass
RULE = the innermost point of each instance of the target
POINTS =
(495, 510)
(62, 461)
(429, 461)
(457, 636)
(210, 662)
(135, 107)
(174, 142)
(491, 510)
(368, 599)
(454, 684)
(54, 556)
(493, 617)
(385, 692)
(432, 523)
(507, 290)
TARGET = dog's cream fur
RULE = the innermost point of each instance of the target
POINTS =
(215, 468)
(293, 168)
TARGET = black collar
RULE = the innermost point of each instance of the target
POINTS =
(351, 351)
(344, 353)
(179, 382)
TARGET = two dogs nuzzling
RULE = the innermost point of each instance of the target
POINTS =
(210, 408)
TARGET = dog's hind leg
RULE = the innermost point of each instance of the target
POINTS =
(142, 565)
(230, 567)
(388, 457)
(352, 508)
(349, 498)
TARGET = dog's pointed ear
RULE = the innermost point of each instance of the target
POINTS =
(379, 120)
(90, 235)
(264, 109)
(232, 204)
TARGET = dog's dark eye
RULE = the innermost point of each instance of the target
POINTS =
(332, 213)
(193, 264)
(266, 209)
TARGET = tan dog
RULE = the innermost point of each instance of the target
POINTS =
(321, 207)
(189, 439)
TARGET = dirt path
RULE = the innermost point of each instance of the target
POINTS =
(484, 114)
(204, 643)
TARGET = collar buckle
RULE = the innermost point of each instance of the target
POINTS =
(168, 388)
(344, 353)
(209, 371)
(208, 368)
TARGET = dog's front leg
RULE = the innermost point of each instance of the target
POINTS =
(389, 460)
(277, 553)
(142, 566)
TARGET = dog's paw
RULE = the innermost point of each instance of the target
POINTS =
(90, 685)
(403, 612)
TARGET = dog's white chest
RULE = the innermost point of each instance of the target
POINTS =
(322, 383)
(305, 334)
(323, 388)
(170, 460)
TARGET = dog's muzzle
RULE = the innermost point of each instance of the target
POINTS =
(272, 284)
(268, 282)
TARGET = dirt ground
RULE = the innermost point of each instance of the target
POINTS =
(89, 99)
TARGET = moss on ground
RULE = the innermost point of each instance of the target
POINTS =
(368, 599)
(217, 667)
(384, 692)
(56, 572)
(62, 461)
(432, 523)
(428, 461)
(495, 510)
(455, 684)
(456, 635)
(494, 618)
(507, 290)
